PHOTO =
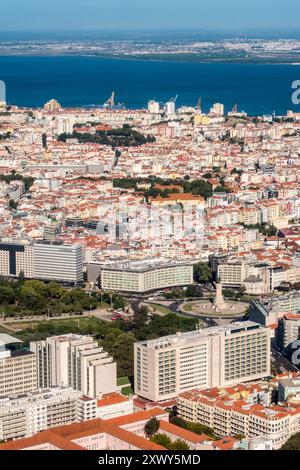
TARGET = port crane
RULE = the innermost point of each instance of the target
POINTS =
(111, 104)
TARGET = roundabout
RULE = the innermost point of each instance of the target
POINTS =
(219, 308)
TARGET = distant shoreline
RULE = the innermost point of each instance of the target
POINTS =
(174, 59)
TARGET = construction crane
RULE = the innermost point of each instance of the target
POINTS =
(110, 103)
(173, 100)
(199, 104)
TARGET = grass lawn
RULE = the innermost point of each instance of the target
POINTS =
(123, 381)
(5, 330)
(188, 307)
(127, 391)
(71, 322)
(159, 308)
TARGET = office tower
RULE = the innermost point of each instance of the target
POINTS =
(211, 357)
(75, 361)
(52, 105)
(170, 107)
(142, 276)
(288, 332)
(18, 373)
(218, 109)
(153, 107)
(16, 257)
(44, 260)
(58, 262)
(2, 94)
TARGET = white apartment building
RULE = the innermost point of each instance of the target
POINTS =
(58, 262)
(25, 415)
(211, 357)
(142, 276)
(17, 367)
(45, 261)
(76, 361)
(288, 330)
(229, 417)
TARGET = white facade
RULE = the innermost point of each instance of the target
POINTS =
(45, 261)
(76, 361)
(212, 357)
(24, 416)
(145, 276)
(17, 368)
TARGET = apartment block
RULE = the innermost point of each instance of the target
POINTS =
(211, 357)
(139, 277)
(45, 261)
(25, 415)
(18, 373)
(288, 331)
(229, 416)
(76, 361)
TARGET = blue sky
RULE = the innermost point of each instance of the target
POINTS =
(38, 15)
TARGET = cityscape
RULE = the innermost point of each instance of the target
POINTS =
(150, 277)
(149, 253)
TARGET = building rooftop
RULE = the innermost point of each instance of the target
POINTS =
(190, 336)
(8, 339)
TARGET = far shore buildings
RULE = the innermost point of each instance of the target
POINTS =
(205, 358)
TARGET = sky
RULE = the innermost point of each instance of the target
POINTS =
(85, 15)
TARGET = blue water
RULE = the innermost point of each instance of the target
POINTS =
(82, 81)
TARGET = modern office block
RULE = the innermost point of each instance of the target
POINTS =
(211, 357)
(17, 367)
(142, 276)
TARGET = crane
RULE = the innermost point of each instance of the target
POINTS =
(111, 101)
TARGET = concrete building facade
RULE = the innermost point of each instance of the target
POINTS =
(212, 357)
(76, 361)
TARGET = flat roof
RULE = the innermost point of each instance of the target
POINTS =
(8, 339)
(190, 336)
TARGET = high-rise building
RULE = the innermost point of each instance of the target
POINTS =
(18, 372)
(2, 94)
(211, 357)
(153, 107)
(45, 261)
(63, 263)
(217, 109)
(143, 276)
(52, 105)
(288, 330)
(170, 107)
(75, 361)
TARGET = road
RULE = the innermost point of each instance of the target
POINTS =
(281, 362)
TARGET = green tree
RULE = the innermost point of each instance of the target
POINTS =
(293, 443)
(202, 273)
(179, 444)
(151, 427)
(12, 204)
(122, 352)
(193, 291)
